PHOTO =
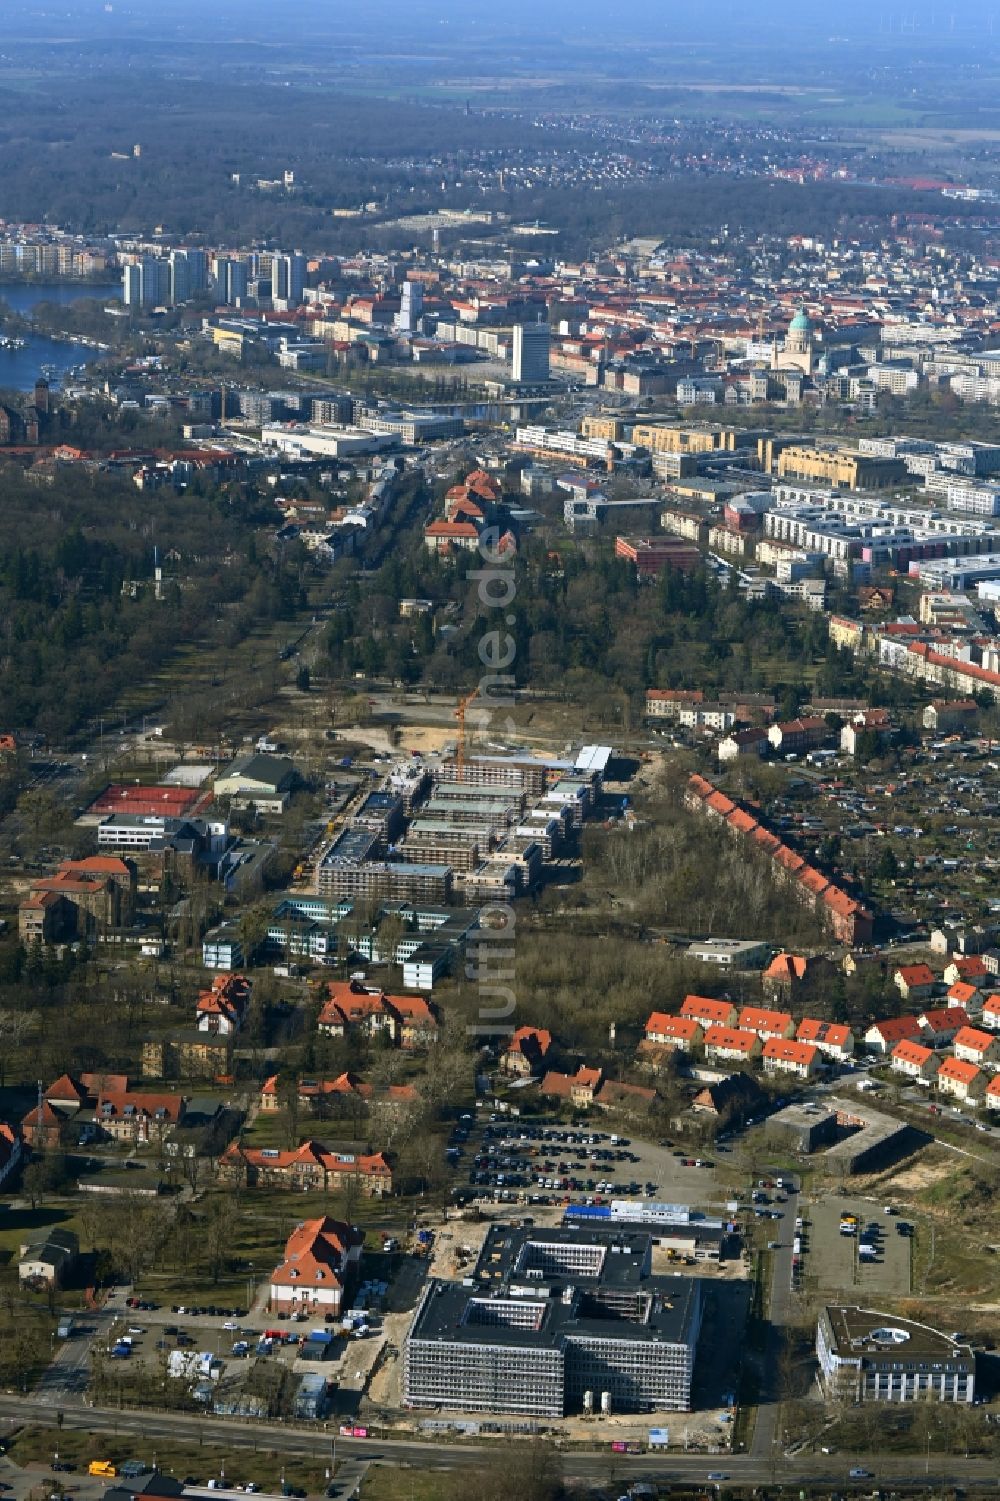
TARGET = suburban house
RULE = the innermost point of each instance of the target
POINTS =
(701, 1008)
(765, 1023)
(991, 1013)
(993, 1093)
(315, 1094)
(866, 721)
(10, 1151)
(915, 1061)
(310, 1166)
(223, 1009)
(968, 967)
(67, 1103)
(666, 703)
(526, 1052)
(579, 1088)
(319, 1258)
(958, 714)
(48, 1260)
(785, 1057)
(784, 976)
(729, 1044)
(129, 1115)
(939, 1026)
(963, 1080)
(407, 1020)
(616, 1095)
(798, 735)
(832, 1038)
(980, 1048)
(915, 982)
(883, 1036)
(963, 994)
(664, 1031)
(739, 743)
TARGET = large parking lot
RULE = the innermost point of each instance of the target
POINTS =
(831, 1261)
(546, 1163)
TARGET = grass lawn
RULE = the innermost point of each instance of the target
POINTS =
(240, 1464)
(390, 1484)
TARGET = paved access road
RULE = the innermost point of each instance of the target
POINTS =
(977, 1475)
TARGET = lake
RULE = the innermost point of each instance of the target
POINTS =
(20, 368)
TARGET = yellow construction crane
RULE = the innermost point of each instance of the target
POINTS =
(463, 705)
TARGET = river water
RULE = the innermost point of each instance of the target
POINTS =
(20, 368)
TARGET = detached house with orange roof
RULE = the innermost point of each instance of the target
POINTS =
(833, 1039)
(965, 995)
(980, 1048)
(320, 1257)
(962, 1080)
(729, 1045)
(782, 1056)
(223, 1009)
(992, 1096)
(914, 1061)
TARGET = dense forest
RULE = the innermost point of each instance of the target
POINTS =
(584, 626)
(348, 150)
(71, 637)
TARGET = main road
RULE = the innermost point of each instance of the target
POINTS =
(596, 1467)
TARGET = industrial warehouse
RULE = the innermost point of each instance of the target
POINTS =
(556, 1321)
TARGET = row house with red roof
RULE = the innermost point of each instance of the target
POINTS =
(846, 918)
(914, 1060)
(672, 1032)
(834, 1040)
(940, 1025)
(962, 1080)
(980, 1048)
(783, 1056)
(709, 1012)
(882, 1036)
(730, 1045)
(765, 1023)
